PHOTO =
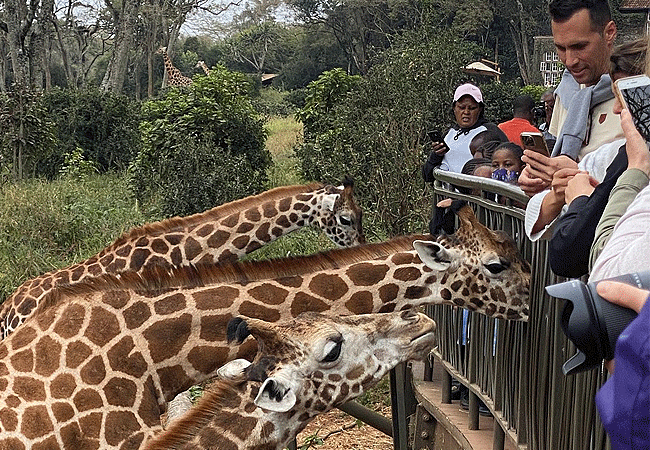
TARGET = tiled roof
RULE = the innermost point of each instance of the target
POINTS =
(628, 5)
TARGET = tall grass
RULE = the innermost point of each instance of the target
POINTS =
(50, 225)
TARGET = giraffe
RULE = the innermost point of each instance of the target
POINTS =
(305, 367)
(221, 234)
(174, 76)
(98, 360)
(202, 65)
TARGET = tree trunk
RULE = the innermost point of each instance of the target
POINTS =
(19, 22)
(125, 30)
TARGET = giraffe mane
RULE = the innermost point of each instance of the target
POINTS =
(186, 427)
(161, 278)
(216, 213)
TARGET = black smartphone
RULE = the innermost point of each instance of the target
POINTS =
(435, 136)
(634, 93)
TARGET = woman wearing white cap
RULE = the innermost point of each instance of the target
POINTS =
(468, 110)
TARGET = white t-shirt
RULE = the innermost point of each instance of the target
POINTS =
(458, 154)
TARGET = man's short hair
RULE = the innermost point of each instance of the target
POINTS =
(522, 105)
(599, 13)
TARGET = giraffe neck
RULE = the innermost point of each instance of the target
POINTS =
(222, 234)
(226, 403)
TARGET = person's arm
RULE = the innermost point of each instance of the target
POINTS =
(627, 187)
(631, 182)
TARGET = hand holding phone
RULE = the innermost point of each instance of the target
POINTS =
(534, 141)
(634, 95)
(440, 146)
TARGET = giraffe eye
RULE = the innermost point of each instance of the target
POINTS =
(345, 221)
(497, 267)
(334, 352)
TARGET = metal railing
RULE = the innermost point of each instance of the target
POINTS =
(516, 367)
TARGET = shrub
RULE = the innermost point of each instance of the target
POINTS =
(103, 124)
(27, 133)
(202, 146)
(376, 133)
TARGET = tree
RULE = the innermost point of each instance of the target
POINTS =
(362, 27)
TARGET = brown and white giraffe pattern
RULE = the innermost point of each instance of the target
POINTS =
(204, 66)
(97, 362)
(222, 234)
(304, 367)
(174, 76)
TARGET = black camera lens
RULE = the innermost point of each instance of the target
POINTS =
(592, 323)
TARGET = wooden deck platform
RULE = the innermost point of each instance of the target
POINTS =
(454, 419)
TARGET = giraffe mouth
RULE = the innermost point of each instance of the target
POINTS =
(428, 333)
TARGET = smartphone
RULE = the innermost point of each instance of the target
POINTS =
(532, 140)
(435, 136)
(634, 94)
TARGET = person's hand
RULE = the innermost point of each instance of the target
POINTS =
(445, 203)
(529, 184)
(636, 147)
(542, 168)
(439, 148)
(560, 181)
(580, 184)
(623, 295)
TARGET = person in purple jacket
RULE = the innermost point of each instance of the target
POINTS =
(624, 400)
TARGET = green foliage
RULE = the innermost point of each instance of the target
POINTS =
(498, 99)
(202, 146)
(76, 167)
(104, 124)
(534, 90)
(26, 130)
(322, 94)
(377, 132)
(50, 225)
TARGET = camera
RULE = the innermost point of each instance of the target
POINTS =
(592, 323)
(539, 111)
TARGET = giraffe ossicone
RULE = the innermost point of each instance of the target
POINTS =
(222, 234)
(304, 367)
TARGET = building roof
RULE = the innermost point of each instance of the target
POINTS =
(634, 6)
(480, 68)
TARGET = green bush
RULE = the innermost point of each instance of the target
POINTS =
(50, 225)
(103, 124)
(376, 133)
(498, 100)
(202, 146)
(27, 133)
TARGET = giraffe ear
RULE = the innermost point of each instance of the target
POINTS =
(233, 369)
(274, 395)
(434, 255)
(329, 200)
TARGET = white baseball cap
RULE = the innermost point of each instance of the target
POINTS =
(468, 89)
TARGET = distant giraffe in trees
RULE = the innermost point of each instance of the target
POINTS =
(202, 65)
(174, 76)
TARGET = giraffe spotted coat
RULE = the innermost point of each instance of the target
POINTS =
(221, 234)
(96, 363)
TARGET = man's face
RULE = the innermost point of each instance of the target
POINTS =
(583, 49)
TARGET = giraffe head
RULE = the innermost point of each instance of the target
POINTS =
(482, 268)
(315, 362)
(304, 367)
(161, 50)
(340, 215)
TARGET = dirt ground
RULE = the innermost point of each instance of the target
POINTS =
(339, 430)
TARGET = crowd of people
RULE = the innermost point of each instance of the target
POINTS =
(590, 197)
